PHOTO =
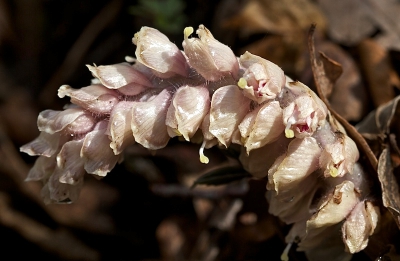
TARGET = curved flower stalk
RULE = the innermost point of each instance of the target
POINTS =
(285, 130)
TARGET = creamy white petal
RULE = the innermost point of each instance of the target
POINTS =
(336, 207)
(209, 57)
(42, 169)
(95, 98)
(44, 145)
(154, 50)
(290, 169)
(70, 162)
(118, 75)
(228, 108)
(262, 80)
(98, 156)
(265, 126)
(120, 127)
(187, 111)
(148, 121)
(359, 225)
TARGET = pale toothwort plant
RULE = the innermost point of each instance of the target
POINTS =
(286, 133)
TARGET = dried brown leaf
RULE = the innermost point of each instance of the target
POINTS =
(352, 21)
(390, 188)
(323, 81)
(378, 125)
(349, 97)
(378, 71)
(277, 17)
(381, 120)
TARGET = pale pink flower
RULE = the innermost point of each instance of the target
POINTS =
(228, 108)
(148, 121)
(154, 50)
(119, 127)
(335, 207)
(294, 205)
(290, 169)
(95, 98)
(99, 158)
(55, 191)
(209, 57)
(262, 80)
(339, 158)
(122, 76)
(359, 225)
(44, 145)
(261, 126)
(57, 127)
(70, 162)
(186, 113)
(74, 120)
(305, 113)
(42, 169)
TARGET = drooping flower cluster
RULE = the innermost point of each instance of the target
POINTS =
(314, 181)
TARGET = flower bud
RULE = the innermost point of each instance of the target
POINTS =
(123, 77)
(228, 108)
(209, 57)
(154, 50)
(262, 79)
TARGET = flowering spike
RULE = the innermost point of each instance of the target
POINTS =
(281, 126)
